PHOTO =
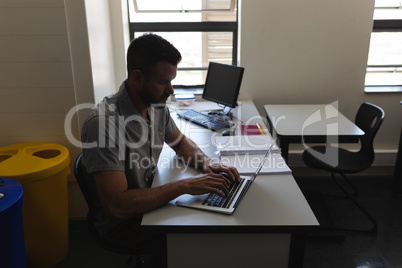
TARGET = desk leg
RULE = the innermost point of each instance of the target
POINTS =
(270, 127)
(284, 144)
(396, 184)
(297, 245)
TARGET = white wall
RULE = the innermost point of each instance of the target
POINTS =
(100, 47)
(98, 38)
(312, 51)
(36, 86)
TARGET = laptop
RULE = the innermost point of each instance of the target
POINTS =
(228, 204)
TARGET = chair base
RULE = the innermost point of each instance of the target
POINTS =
(350, 196)
(374, 227)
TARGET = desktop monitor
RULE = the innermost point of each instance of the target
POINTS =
(223, 85)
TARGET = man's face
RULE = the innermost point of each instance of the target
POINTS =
(157, 86)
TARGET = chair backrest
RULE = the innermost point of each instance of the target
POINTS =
(82, 182)
(369, 119)
(85, 189)
(80, 177)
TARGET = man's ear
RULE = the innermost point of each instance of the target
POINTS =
(137, 77)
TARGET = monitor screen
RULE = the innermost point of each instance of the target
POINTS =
(223, 84)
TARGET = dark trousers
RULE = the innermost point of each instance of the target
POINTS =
(128, 234)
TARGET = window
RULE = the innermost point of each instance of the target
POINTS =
(202, 30)
(384, 67)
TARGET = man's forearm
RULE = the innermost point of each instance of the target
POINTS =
(151, 198)
(190, 153)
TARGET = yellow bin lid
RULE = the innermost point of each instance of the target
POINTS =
(27, 162)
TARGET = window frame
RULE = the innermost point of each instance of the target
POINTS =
(231, 8)
(385, 26)
(208, 26)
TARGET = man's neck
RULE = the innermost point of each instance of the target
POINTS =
(136, 100)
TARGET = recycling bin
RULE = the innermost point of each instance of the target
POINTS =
(12, 246)
(42, 170)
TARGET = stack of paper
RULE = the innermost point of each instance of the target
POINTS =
(244, 144)
(246, 152)
(246, 164)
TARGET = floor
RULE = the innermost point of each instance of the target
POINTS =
(382, 249)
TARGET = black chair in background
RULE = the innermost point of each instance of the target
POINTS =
(338, 160)
(80, 177)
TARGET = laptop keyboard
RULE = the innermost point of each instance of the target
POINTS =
(224, 202)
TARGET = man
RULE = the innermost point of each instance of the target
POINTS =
(122, 140)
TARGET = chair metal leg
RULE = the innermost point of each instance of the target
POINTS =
(354, 193)
(333, 237)
(323, 203)
(371, 219)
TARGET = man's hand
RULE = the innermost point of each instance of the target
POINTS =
(207, 183)
(187, 149)
(214, 167)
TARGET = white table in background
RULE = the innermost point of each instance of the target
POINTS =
(310, 123)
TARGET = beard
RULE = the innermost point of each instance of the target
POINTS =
(148, 98)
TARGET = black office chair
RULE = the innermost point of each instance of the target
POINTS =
(369, 118)
(80, 177)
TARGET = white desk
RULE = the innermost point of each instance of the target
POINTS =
(315, 123)
(266, 229)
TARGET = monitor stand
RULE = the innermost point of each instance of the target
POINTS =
(224, 112)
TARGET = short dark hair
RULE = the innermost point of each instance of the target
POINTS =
(147, 50)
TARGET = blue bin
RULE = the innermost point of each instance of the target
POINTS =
(12, 245)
